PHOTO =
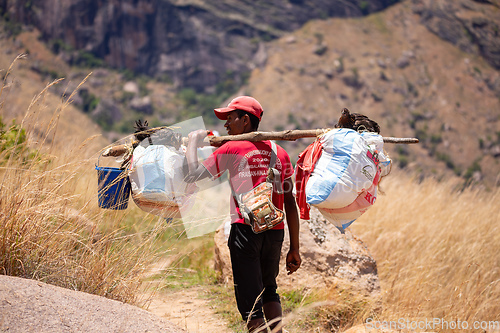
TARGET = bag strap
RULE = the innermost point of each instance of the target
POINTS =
(274, 154)
(273, 174)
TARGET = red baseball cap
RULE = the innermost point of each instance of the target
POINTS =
(245, 103)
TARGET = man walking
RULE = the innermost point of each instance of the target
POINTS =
(254, 256)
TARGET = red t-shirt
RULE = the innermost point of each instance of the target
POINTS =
(248, 163)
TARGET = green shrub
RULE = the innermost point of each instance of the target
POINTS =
(128, 75)
(58, 45)
(475, 166)
(89, 100)
(10, 26)
(321, 49)
(446, 159)
(13, 143)
(364, 6)
(87, 60)
(187, 96)
(319, 37)
(421, 134)
(200, 104)
(402, 161)
(436, 138)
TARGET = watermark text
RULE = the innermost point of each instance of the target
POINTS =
(431, 324)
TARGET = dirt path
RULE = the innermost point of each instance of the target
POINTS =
(189, 309)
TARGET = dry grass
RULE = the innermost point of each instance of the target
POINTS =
(51, 227)
(436, 249)
(54, 234)
(326, 310)
(437, 253)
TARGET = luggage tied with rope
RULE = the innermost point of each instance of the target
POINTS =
(339, 174)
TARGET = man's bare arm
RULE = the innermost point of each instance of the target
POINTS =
(293, 259)
(196, 171)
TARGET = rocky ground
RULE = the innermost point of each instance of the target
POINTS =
(32, 306)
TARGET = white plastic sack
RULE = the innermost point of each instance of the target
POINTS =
(343, 183)
(345, 216)
(376, 143)
(157, 183)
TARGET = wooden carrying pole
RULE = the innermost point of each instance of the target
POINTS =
(289, 135)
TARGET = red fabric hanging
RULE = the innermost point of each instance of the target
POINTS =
(304, 168)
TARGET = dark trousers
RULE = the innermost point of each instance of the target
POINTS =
(255, 262)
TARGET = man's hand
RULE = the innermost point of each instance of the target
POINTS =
(293, 261)
(196, 138)
(195, 170)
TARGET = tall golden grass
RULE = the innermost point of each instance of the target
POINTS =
(51, 228)
(437, 250)
(436, 246)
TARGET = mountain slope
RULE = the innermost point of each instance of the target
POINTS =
(473, 26)
(391, 68)
(51, 119)
(388, 65)
(192, 43)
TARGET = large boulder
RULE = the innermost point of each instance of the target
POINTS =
(329, 258)
(33, 306)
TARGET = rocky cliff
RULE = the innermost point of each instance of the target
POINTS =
(421, 68)
(472, 25)
(192, 43)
